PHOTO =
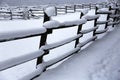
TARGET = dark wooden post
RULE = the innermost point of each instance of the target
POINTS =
(74, 8)
(11, 15)
(115, 18)
(82, 6)
(78, 31)
(108, 16)
(90, 6)
(56, 11)
(65, 9)
(44, 39)
(95, 22)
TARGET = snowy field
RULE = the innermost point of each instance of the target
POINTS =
(94, 65)
(99, 61)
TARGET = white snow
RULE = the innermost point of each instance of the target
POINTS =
(101, 31)
(21, 33)
(88, 30)
(19, 60)
(51, 24)
(91, 17)
(99, 61)
(84, 11)
(104, 10)
(102, 22)
(50, 11)
(60, 43)
(74, 22)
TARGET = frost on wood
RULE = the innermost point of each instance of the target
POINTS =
(102, 22)
(87, 41)
(91, 17)
(19, 60)
(84, 11)
(88, 30)
(112, 23)
(60, 43)
(51, 24)
(74, 22)
(55, 24)
(38, 71)
(11, 35)
(51, 62)
(101, 31)
(104, 11)
(50, 11)
(113, 16)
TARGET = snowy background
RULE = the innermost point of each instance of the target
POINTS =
(96, 64)
(38, 2)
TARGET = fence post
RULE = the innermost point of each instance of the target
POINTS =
(11, 15)
(44, 39)
(55, 10)
(65, 9)
(74, 8)
(108, 16)
(115, 19)
(95, 22)
(78, 31)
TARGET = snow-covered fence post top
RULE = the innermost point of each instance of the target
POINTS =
(48, 12)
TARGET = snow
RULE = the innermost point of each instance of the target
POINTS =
(38, 71)
(99, 61)
(87, 41)
(60, 43)
(89, 64)
(102, 22)
(84, 11)
(19, 60)
(104, 11)
(56, 23)
(112, 16)
(74, 22)
(88, 30)
(91, 17)
(51, 24)
(50, 11)
(50, 2)
(101, 31)
(4, 36)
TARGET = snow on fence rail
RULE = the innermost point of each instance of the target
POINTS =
(48, 27)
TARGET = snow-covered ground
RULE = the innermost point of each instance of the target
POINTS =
(86, 66)
(99, 61)
(39, 2)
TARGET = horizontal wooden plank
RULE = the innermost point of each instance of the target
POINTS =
(89, 30)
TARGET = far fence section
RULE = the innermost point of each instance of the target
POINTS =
(49, 26)
(31, 12)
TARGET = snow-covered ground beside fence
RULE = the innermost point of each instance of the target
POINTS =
(21, 47)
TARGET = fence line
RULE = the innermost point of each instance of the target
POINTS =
(45, 48)
(36, 12)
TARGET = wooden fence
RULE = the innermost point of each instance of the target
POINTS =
(37, 12)
(112, 19)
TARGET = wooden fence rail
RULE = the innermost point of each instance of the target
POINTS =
(44, 32)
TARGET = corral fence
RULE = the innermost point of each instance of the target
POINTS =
(113, 18)
(36, 12)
